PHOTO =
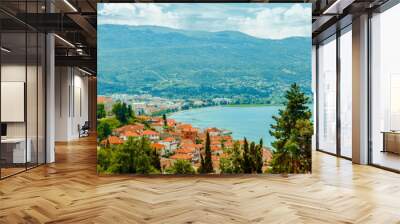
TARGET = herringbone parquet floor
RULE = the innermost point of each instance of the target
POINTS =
(69, 191)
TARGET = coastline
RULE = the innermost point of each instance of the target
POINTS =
(226, 105)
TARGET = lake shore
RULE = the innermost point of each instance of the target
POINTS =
(252, 122)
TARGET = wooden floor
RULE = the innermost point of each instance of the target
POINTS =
(69, 191)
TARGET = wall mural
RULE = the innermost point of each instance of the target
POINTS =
(204, 88)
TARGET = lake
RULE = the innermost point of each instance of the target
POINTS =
(252, 122)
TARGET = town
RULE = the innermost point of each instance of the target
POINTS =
(171, 139)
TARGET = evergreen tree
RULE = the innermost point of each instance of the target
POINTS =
(134, 156)
(202, 165)
(101, 112)
(103, 130)
(165, 120)
(253, 152)
(237, 158)
(292, 131)
(246, 157)
(155, 159)
(123, 112)
(208, 166)
(259, 157)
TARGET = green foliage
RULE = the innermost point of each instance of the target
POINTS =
(134, 156)
(293, 132)
(123, 112)
(247, 162)
(101, 112)
(105, 127)
(206, 164)
(112, 121)
(258, 158)
(103, 130)
(181, 167)
(237, 158)
(243, 159)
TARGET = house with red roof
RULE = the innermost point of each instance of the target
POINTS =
(159, 126)
(112, 140)
(170, 143)
(138, 128)
(171, 122)
(181, 156)
(125, 135)
(160, 148)
(152, 135)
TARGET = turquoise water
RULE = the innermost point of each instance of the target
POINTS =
(250, 122)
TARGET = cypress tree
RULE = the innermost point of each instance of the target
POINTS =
(253, 152)
(208, 166)
(259, 157)
(201, 168)
(165, 120)
(246, 157)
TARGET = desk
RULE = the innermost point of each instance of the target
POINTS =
(391, 141)
(13, 150)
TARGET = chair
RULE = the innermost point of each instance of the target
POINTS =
(84, 130)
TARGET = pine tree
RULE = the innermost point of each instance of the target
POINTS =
(101, 112)
(292, 131)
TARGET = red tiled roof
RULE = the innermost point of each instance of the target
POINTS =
(114, 140)
(215, 148)
(186, 141)
(158, 146)
(183, 126)
(212, 130)
(181, 156)
(130, 127)
(171, 122)
(185, 150)
(130, 134)
(150, 132)
(169, 139)
(104, 99)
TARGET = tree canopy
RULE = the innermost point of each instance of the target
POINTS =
(293, 131)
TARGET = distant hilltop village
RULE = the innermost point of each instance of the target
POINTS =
(174, 140)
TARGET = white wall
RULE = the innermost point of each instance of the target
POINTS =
(71, 102)
(314, 90)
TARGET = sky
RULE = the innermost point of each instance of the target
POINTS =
(262, 20)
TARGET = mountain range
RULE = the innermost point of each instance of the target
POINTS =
(184, 64)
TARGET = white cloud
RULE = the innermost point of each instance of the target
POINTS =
(259, 20)
(138, 14)
(277, 23)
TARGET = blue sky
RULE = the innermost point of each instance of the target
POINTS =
(262, 20)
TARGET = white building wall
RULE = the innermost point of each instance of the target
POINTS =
(71, 102)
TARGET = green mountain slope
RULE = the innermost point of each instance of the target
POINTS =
(196, 64)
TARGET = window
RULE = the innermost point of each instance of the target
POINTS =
(327, 96)
(346, 93)
(385, 89)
